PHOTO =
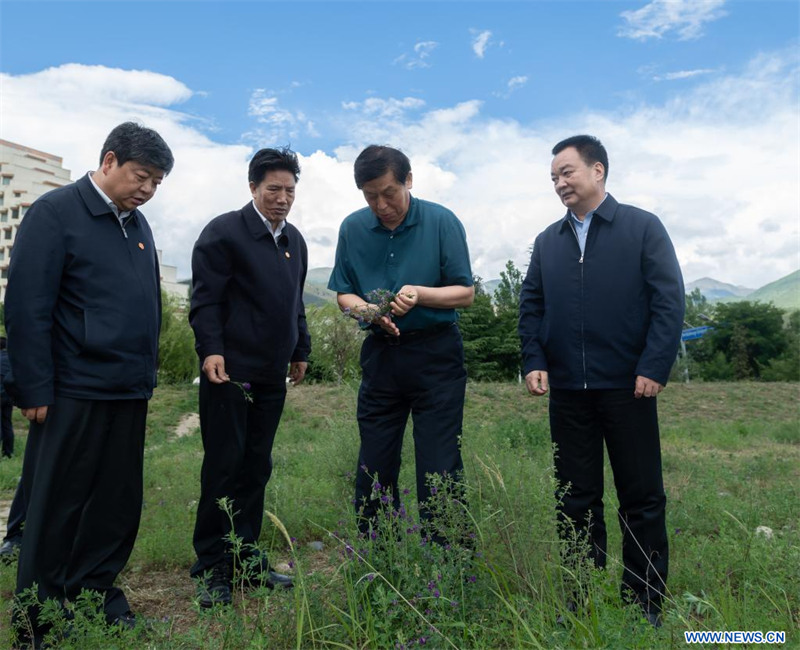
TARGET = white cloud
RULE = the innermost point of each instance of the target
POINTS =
(513, 84)
(278, 123)
(683, 74)
(661, 17)
(480, 42)
(719, 164)
(391, 107)
(419, 59)
(69, 110)
(517, 82)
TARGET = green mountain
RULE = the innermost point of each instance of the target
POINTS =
(783, 293)
(316, 289)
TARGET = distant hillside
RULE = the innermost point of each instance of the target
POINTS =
(715, 290)
(783, 293)
(317, 291)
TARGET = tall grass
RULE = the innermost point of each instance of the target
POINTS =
(731, 462)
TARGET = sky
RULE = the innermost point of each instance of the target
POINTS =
(697, 102)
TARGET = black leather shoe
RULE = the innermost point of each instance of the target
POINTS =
(10, 550)
(654, 618)
(126, 620)
(571, 607)
(257, 571)
(215, 588)
(275, 579)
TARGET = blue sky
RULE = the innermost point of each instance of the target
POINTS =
(696, 100)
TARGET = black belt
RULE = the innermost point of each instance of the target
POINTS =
(412, 335)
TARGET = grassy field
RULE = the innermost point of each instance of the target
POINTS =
(731, 463)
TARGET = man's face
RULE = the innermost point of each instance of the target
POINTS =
(274, 195)
(130, 185)
(580, 186)
(388, 198)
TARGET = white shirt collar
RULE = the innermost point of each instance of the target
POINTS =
(120, 215)
(275, 233)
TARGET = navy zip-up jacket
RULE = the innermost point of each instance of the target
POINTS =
(247, 296)
(598, 320)
(83, 304)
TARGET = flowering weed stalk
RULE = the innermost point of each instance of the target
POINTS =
(245, 387)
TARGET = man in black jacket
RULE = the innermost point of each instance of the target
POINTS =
(83, 313)
(601, 313)
(248, 271)
(6, 407)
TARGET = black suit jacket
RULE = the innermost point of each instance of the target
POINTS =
(83, 304)
(247, 296)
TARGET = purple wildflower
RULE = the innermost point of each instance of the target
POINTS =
(433, 489)
(406, 491)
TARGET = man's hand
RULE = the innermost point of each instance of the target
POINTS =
(35, 413)
(405, 300)
(536, 382)
(387, 325)
(297, 370)
(214, 369)
(646, 387)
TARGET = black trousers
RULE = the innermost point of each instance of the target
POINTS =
(16, 514)
(237, 440)
(424, 377)
(82, 478)
(7, 428)
(580, 421)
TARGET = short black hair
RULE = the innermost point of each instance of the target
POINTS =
(376, 160)
(132, 141)
(589, 148)
(267, 160)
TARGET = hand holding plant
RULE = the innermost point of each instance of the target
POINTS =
(380, 304)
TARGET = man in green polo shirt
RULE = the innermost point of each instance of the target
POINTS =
(413, 361)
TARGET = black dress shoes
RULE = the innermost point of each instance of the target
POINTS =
(275, 579)
(10, 549)
(215, 587)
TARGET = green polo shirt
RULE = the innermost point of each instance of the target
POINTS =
(429, 248)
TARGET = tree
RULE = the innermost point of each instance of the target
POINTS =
(506, 301)
(750, 335)
(478, 325)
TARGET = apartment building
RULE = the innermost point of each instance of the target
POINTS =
(25, 174)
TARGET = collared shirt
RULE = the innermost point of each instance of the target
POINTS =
(429, 248)
(582, 227)
(275, 233)
(122, 216)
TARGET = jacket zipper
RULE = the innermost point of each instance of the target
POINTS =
(583, 342)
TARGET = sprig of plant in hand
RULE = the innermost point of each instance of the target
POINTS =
(245, 387)
(379, 303)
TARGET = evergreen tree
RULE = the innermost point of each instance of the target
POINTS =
(478, 325)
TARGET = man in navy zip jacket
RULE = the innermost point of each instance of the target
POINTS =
(83, 313)
(601, 313)
(248, 271)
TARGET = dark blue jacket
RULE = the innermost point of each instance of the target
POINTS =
(597, 320)
(83, 303)
(247, 296)
(5, 374)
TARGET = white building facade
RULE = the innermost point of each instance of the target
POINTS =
(25, 174)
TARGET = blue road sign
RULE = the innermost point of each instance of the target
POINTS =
(695, 332)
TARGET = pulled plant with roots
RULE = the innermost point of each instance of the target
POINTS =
(379, 303)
